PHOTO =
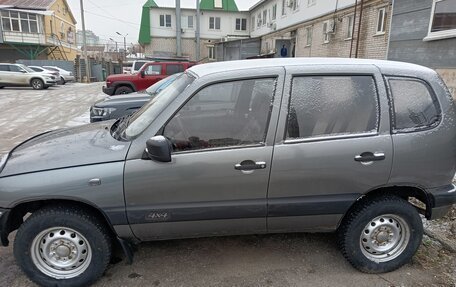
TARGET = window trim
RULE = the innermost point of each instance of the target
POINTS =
(383, 30)
(389, 92)
(215, 23)
(326, 37)
(164, 21)
(349, 34)
(440, 35)
(240, 24)
(332, 137)
(309, 31)
(274, 77)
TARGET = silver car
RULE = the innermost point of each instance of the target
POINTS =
(242, 147)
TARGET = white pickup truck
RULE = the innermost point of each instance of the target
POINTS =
(17, 75)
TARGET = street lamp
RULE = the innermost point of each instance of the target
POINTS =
(114, 42)
(125, 43)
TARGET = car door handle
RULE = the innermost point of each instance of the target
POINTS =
(250, 165)
(368, 156)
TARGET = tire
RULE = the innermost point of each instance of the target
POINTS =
(1, 87)
(123, 90)
(37, 84)
(46, 87)
(62, 81)
(381, 234)
(71, 239)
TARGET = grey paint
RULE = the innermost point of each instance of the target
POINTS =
(203, 191)
(410, 24)
(66, 65)
(237, 49)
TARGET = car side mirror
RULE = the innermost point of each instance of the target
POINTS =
(142, 73)
(159, 148)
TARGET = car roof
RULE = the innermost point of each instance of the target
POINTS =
(211, 68)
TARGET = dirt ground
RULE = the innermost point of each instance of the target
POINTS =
(266, 260)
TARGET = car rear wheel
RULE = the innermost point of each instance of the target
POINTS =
(37, 84)
(63, 246)
(123, 90)
(381, 234)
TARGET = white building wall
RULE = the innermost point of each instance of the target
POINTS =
(304, 13)
(227, 24)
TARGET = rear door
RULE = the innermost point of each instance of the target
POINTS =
(333, 144)
(4, 74)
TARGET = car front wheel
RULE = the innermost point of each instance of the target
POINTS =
(63, 246)
(37, 84)
(123, 90)
(381, 234)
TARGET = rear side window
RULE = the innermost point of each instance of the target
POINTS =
(331, 106)
(414, 104)
(4, 68)
(174, 69)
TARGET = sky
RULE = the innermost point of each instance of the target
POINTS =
(106, 17)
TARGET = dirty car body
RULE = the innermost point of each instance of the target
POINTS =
(228, 148)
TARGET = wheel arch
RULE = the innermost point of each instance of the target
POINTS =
(403, 191)
(36, 78)
(124, 84)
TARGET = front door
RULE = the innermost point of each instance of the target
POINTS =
(217, 181)
(333, 145)
(152, 74)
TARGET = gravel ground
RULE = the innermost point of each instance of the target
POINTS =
(266, 260)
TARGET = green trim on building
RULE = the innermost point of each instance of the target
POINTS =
(144, 29)
(228, 5)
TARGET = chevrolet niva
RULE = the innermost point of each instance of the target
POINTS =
(242, 147)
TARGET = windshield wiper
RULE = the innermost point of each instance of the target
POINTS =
(119, 126)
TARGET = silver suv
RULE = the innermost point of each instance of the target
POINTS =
(258, 146)
(18, 75)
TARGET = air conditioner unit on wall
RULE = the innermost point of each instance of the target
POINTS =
(290, 3)
(331, 27)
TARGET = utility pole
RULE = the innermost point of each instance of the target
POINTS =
(125, 44)
(178, 29)
(84, 43)
(197, 32)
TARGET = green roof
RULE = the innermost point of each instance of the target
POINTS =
(144, 29)
(228, 5)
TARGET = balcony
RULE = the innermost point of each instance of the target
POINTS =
(24, 38)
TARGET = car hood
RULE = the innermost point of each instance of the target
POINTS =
(83, 145)
(121, 77)
(121, 100)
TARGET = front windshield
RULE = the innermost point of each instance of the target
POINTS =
(161, 85)
(145, 116)
(24, 67)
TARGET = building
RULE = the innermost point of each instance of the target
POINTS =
(424, 32)
(219, 20)
(91, 38)
(306, 28)
(37, 29)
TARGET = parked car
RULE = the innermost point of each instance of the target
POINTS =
(65, 76)
(256, 146)
(42, 70)
(18, 75)
(119, 106)
(149, 74)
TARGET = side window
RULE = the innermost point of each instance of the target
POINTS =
(153, 70)
(174, 69)
(332, 105)
(414, 104)
(4, 68)
(14, 68)
(223, 115)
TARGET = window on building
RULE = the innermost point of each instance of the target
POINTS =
(241, 24)
(274, 12)
(326, 32)
(309, 36)
(259, 21)
(311, 2)
(19, 22)
(214, 23)
(284, 6)
(443, 16)
(211, 52)
(353, 111)
(62, 30)
(252, 24)
(381, 21)
(187, 22)
(265, 16)
(295, 4)
(414, 105)
(165, 21)
(218, 4)
(223, 115)
(350, 23)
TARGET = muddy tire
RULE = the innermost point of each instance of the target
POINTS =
(381, 234)
(63, 246)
